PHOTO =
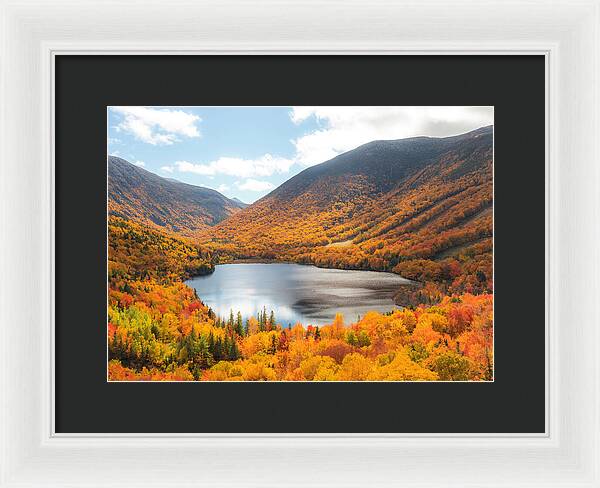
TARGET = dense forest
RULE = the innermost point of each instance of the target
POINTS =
(421, 208)
(158, 328)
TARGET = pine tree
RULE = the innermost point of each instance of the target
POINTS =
(239, 328)
(272, 319)
(211, 343)
(233, 350)
(262, 320)
(218, 354)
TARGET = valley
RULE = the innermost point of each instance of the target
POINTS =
(419, 209)
(350, 213)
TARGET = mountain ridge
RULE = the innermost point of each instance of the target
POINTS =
(340, 162)
(382, 206)
(140, 195)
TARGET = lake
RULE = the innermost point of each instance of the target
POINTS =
(296, 293)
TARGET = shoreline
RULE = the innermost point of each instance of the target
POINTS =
(257, 261)
(277, 261)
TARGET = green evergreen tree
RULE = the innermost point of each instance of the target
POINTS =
(211, 343)
(233, 350)
(272, 319)
(239, 327)
(262, 320)
(218, 354)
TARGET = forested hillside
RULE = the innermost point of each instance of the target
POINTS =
(158, 329)
(419, 207)
(165, 204)
(138, 252)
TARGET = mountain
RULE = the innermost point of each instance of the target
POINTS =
(243, 204)
(379, 206)
(377, 167)
(167, 204)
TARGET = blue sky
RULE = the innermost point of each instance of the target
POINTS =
(245, 152)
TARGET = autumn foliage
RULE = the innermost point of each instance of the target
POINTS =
(159, 330)
(433, 226)
(162, 332)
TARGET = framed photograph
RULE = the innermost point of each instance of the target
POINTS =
(373, 265)
(316, 245)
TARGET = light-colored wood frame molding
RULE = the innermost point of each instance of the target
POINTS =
(32, 33)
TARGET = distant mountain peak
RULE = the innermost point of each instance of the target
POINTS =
(236, 199)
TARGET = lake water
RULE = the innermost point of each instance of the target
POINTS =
(296, 293)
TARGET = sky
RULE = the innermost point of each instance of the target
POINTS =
(246, 152)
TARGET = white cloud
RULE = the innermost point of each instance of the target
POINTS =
(345, 128)
(265, 165)
(157, 126)
(223, 187)
(254, 185)
(141, 164)
(167, 169)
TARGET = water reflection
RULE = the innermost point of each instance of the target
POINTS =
(296, 293)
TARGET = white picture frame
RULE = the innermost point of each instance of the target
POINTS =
(566, 33)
